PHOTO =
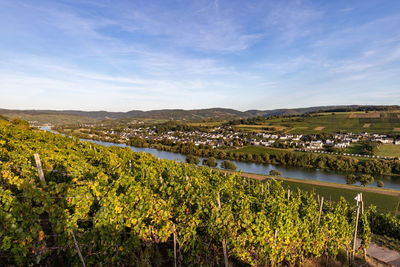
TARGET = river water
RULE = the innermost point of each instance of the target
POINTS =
(392, 182)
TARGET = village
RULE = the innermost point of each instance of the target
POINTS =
(227, 136)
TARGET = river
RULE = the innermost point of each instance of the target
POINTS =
(392, 182)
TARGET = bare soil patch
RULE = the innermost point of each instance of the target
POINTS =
(365, 115)
(396, 129)
(366, 125)
(320, 128)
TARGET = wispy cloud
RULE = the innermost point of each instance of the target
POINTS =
(292, 21)
(198, 26)
(216, 5)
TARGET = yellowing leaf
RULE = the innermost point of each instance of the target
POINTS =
(41, 235)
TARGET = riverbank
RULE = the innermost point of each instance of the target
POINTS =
(386, 200)
(306, 173)
(266, 155)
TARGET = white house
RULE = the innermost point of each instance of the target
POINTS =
(315, 145)
(342, 145)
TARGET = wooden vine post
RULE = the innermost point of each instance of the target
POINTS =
(39, 169)
(320, 210)
(43, 182)
(358, 198)
(78, 249)
(175, 264)
(223, 240)
(362, 205)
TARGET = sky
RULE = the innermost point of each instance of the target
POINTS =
(158, 54)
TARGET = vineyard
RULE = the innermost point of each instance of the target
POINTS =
(121, 208)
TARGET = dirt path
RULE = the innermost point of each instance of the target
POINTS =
(385, 255)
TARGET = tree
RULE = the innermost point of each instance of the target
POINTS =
(380, 183)
(366, 179)
(20, 123)
(228, 165)
(192, 159)
(188, 148)
(351, 179)
(211, 162)
(275, 173)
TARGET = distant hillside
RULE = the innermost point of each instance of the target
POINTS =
(38, 118)
(76, 116)
(166, 114)
(296, 111)
(385, 122)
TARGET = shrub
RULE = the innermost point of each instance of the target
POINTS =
(211, 162)
(228, 165)
(192, 159)
(365, 179)
(275, 173)
(351, 179)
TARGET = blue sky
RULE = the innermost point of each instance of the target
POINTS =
(123, 55)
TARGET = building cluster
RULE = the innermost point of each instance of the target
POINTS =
(226, 136)
(216, 137)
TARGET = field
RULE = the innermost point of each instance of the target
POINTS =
(382, 201)
(113, 202)
(354, 149)
(260, 128)
(356, 122)
(259, 150)
(388, 150)
(206, 124)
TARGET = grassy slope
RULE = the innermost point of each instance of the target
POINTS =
(55, 119)
(384, 199)
(206, 124)
(388, 150)
(354, 149)
(259, 150)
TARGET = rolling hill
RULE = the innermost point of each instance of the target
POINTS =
(77, 116)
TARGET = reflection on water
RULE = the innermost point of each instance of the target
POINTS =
(392, 182)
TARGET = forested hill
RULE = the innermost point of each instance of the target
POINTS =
(166, 114)
(177, 114)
